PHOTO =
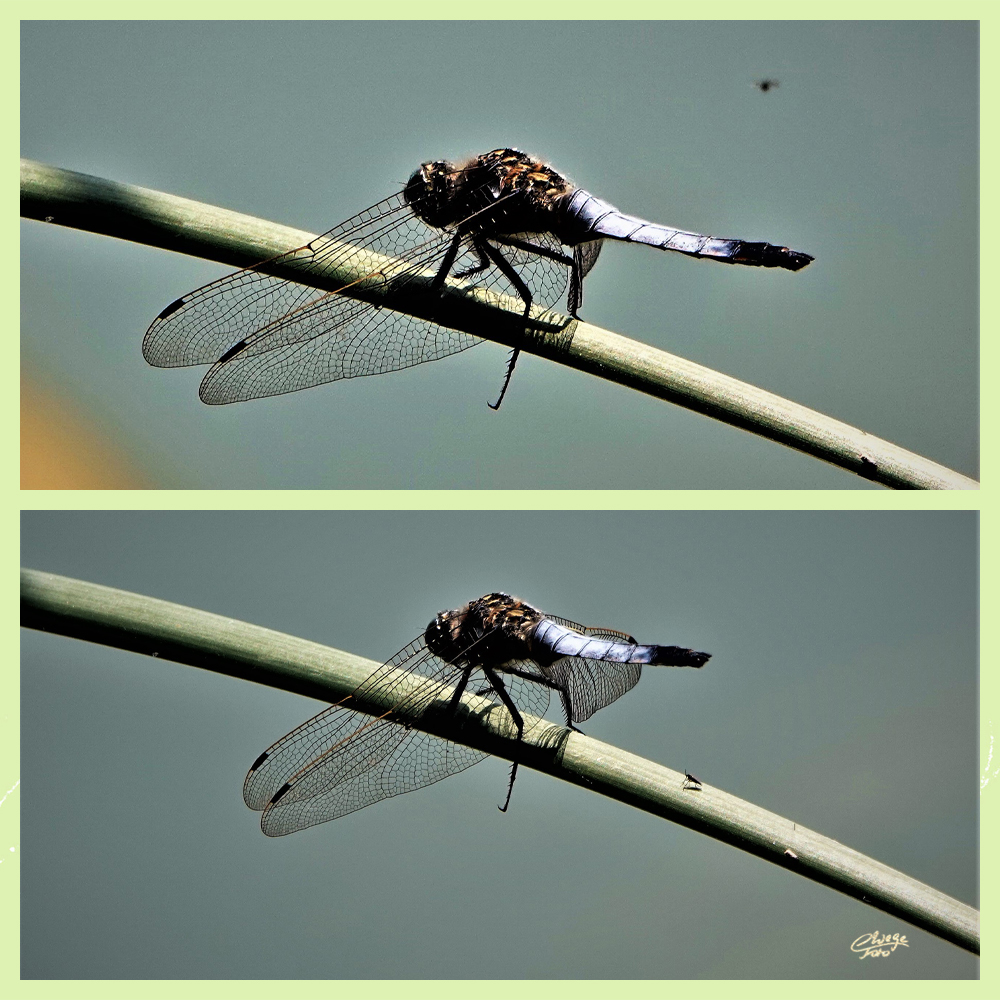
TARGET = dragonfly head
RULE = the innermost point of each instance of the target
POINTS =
(428, 190)
(416, 187)
(444, 194)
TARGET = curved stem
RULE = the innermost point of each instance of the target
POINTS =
(66, 198)
(170, 631)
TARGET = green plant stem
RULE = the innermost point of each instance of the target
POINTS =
(142, 215)
(170, 631)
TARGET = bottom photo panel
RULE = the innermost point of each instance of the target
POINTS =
(707, 745)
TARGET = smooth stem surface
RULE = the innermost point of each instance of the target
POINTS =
(63, 197)
(170, 631)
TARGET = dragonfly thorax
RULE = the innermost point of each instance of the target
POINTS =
(492, 630)
(526, 193)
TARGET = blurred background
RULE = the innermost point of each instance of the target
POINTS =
(842, 694)
(865, 155)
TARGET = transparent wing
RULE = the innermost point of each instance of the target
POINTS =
(527, 686)
(382, 760)
(339, 339)
(265, 336)
(593, 684)
(342, 760)
(598, 633)
(547, 279)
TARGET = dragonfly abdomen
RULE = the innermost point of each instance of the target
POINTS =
(560, 641)
(591, 218)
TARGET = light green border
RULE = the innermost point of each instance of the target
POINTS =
(548, 499)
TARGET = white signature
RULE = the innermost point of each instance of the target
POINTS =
(985, 779)
(871, 945)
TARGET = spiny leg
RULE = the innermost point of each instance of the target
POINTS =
(553, 686)
(584, 258)
(501, 689)
(447, 263)
(522, 289)
(455, 698)
(487, 254)
(574, 297)
(484, 263)
(577, 264)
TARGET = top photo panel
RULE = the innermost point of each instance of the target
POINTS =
(227, 224)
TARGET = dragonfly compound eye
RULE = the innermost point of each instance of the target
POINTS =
(416, 188)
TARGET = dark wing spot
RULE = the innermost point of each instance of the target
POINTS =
(172, 308)
(232, 352)
(281, 791)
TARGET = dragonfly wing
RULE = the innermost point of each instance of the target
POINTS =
(340, 760)
(598, 633)
(284, 759)
(266, 335)
(384, 760)
(594, 684)
(202, 325)
(330, 728)
(547, 279)
(333, 339)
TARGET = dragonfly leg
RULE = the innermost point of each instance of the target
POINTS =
(501, 690)
(522, 289)
(552, 685)
(510, 787)
(459, 690)
(579, 264)
(574, 298)
(533, 248)
(568, 709)
(484, 263)
(447, 263)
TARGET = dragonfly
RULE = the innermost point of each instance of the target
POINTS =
(503, 224)
(499, 648)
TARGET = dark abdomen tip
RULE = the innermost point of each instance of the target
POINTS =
(795, 261)
(766, 255)
(675, 656)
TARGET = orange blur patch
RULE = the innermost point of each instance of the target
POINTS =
(61, 449)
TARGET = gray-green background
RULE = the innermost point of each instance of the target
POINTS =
(842, 694)
(865, 156)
